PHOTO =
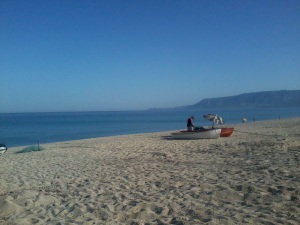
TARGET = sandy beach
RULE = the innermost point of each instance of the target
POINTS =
(252, 177)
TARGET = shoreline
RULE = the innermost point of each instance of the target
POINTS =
(252, 177)
(220, 125)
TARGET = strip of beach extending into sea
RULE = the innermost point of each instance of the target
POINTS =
(251, 177)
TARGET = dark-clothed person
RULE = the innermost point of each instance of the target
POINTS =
(190, 125)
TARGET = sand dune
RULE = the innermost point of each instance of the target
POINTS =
(251, 177)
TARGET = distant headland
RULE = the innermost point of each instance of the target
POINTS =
(264, 99)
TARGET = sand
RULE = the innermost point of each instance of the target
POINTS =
(251, 177)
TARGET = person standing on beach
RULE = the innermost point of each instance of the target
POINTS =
(190, 125)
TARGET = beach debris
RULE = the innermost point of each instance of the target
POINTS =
(31, 149)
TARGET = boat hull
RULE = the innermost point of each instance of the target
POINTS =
(226, 132)
(202, 134)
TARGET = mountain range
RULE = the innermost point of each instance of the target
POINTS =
(264, 99)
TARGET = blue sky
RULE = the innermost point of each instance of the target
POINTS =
(133, 55)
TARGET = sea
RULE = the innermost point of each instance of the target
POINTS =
(26, 129)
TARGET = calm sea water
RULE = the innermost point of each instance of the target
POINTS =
(22, 129)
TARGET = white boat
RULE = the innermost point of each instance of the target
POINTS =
(3, 149)
(212, 133)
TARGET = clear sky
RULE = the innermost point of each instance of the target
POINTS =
(84, 55)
